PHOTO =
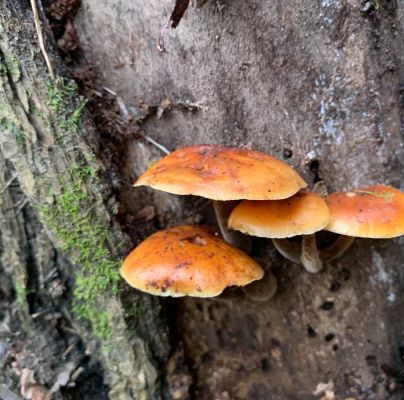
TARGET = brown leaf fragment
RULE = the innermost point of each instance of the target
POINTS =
(63, 8)
(69, 41)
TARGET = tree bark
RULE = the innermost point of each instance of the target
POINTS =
(48, 173)
(318, 84)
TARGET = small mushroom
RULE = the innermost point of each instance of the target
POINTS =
(188, 261)
(302, 214)
(370, 212)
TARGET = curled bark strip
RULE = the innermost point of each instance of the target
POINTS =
(178, 12)
(175, 18)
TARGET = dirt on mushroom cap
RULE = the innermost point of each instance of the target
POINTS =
(302, 214)
(188, 260)
(372, 212)
(223, 173)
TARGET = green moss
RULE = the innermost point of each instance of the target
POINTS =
(11, 65)
(13, 130)
(3, 69)
(60, 95)
(74, 221)
(21, 295)
(14, 67)
(86, 239)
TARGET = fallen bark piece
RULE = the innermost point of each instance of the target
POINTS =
(178, 12)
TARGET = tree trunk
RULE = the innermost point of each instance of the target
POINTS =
(314, 83)
(48, 173)
(318, 84)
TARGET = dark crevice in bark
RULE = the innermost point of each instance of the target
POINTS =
(33, 290)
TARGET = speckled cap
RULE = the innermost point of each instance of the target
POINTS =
(223, 173)
(371, 212)
(188, 261)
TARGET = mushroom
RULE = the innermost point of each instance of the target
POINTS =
(301, 214)
(370, 212)
(188, 261)
(223, 174)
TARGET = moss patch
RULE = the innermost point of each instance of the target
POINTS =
(59, 101)
(73, 218)
(86, 239)
(13, 130)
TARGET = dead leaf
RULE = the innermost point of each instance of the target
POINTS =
(63, 8)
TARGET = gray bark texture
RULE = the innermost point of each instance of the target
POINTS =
(318, 84)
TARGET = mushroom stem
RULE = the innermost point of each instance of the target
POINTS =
(337, 249)
(310, 257)
(222, 210)
(263, 289)
(288, 249)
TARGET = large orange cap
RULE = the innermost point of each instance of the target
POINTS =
(372, 212)
(223, 173)
(188, 260)
(302, 214)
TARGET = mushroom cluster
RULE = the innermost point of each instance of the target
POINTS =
(252, 194)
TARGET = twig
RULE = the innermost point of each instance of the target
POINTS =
(40, 38)
(42, 312)
(158, 145)
(110, 91)
(8, 183)
(70, 347)
(22, 204)
(19, 205)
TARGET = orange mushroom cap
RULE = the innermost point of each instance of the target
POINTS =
(372, 212)
(188, 260)
(223, 173)
(302, 214)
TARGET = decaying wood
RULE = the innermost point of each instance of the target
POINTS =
(318, 85)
